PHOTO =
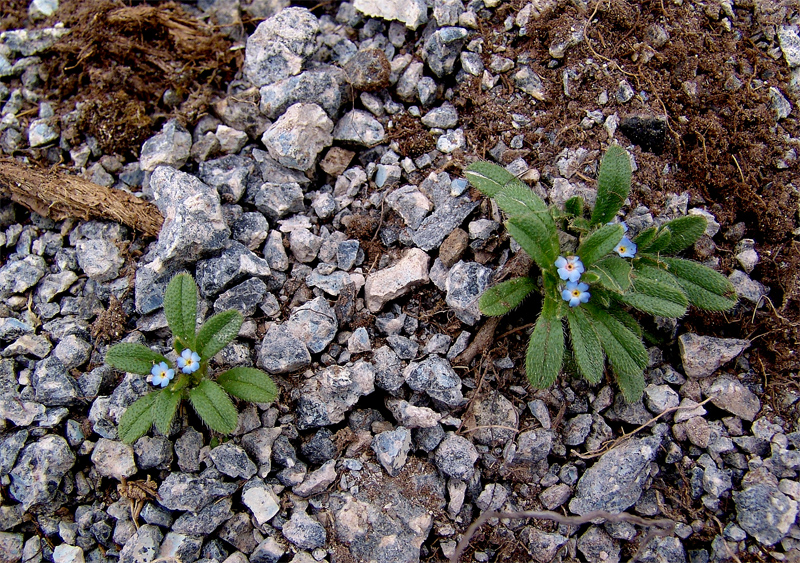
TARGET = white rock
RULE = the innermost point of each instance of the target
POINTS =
(412, 13)
(66, 553)
(113, 459)
(298, 136)
(390, 283)
(261, 500)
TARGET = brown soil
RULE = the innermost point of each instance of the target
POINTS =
(119, 61)
(722, 143)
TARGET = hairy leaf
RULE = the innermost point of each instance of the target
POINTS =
(585, 345)
(249, 384)
(526, 210)
(574, 206)
(217, 332)
(612, 272)
(213, 405)
(529, 233)
(180, 307)
(137, 418)
(645, 237)
(503, 297)
(625, 352)
(546, 347)
(488, 178)
(134, 358)
(659, 242)
(626, 319)
(613, 184)
(656, 298)
(685, 231)
(580, 225)
(705, 288)
(600, 243)
(164, 409)
(518, 200)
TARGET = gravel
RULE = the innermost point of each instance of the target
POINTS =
(359, 281)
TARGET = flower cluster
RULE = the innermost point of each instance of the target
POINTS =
(162, 374)
(570, 269)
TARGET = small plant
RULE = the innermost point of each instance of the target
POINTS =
(189, 378)
(593, 287)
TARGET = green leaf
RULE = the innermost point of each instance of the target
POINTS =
(685, 231)
(528, 233)
(613, 184)
(137, 418)
(213, 405)
(487, 177)
(249, 384)
(612, 272)
(656, 272)
(600, 243)
(625, 352)
(574, 206)
(656, 298)
(217, 332)
(659, 242)
(180, 307)
(164, 409)
(626, 319)
(503, 297)
(580, 225)
(546, 347)
(585, 345)
(527, 212)
(133, 358)
(705, 288)
(518, 200)
(645, 237)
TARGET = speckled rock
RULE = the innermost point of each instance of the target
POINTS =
(193, 221)
(390, 283)
(113, 459)
(328, 395)
(41, 466)
(703, 355)
(615, 481)
(298, 136)
(280, 45)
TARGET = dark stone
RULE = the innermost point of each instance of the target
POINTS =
(650, 133)
(320, 448)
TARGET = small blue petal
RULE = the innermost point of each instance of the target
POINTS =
(626, 248)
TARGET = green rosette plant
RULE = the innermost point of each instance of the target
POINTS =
(189, 378)
(592, 291)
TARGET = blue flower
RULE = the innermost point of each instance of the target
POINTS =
(576, 293)
(569, 268)
(189, 361)
(623, 223)
(162, 374)
(626, 248)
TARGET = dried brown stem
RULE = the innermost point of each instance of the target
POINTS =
(658, 528)
(58, 196)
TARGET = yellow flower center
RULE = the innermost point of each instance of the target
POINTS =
(576, 292)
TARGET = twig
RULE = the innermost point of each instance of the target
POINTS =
(625, 437)
(58, 195)
(658, 528)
